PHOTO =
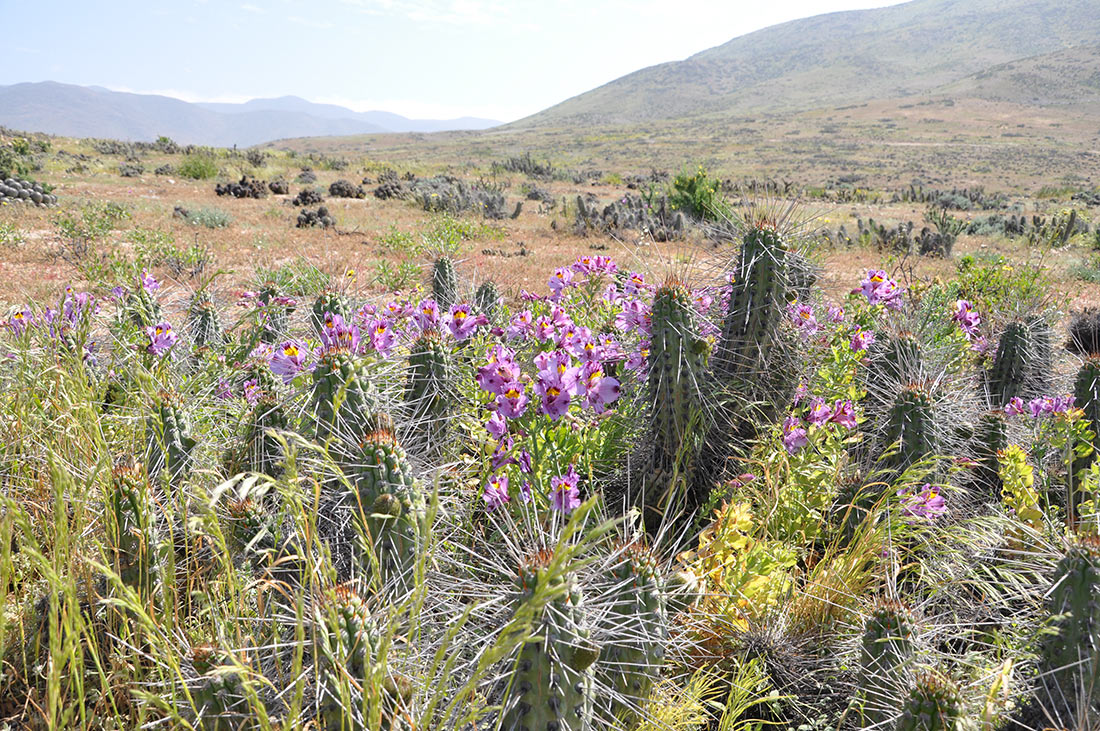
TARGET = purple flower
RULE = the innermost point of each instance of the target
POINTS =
(1048, 405)
(382, 337)
(512, 400)
(801, 393)
(118, 292)
(1015, 407)
(802, 316)
(844, 414)
(599, 390)
(335, 333)
(557, 382)
(288, 360)
(496, 426)
(702, 300)
(835, 313)
(252, 391)
(562, 278)
(526, 492)
(880, 289)
(520, 326)
(224, 390)
(148, 282)
(819, 412)
(427, 315)
(500, 369)
(967, 317)
(794, 435)
(462, 323)
(861, 339)
(638, 358)
(161, 338)
(927, 504)
(525, 465)
(20, 321)
(76, 305)
(634, 284)
(564, 495)
(635, 316)
(496, 492)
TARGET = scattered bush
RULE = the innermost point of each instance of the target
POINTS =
(198, 167)
(130, 170)
(316, 219)
(245, 188)
(698, 196)
(208, 217)
(308, 197)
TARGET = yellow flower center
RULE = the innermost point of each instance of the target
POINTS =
(291, 350)
(511, 393)
(553, 391)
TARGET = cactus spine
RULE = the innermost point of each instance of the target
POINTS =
(886, 651)
(276, 314)
(389, 502)
(220, 697)
(261, 449)
(444, 283)
(168, 434)
(131, 540)
(1021, 366)
(933, 705)
(205, 327)
(638, 625)
(910, 426)
(328, 301)
(1086, 396)
(1071, 657)
(342, 399)
(552, 686)
(990, 438)
(677, 365)
(487, 300)
(430, 393)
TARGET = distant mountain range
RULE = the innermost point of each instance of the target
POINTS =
(92, 111)
(1025, 51)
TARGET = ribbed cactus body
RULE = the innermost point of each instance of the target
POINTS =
(444, 283)
(347, 642)
(220, 699)
(261, 449)
(758, 295)
(990, 437)
(885, 654)
(1086, 396)
(276, 316)
(389, 501)
(892, 359)
(677, 369)
(328, 301)
(910, 426)
(251, 528)
(1022, 364)
(203, 322)
(637, 625)
(342, 398)
(168, 434)
(487, 300)
(142, 308)
(552, 686)
(430, 391)
(1071, 656)
(933, 705)
(131, 539)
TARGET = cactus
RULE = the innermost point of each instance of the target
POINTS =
(342, 399)
(933, 705)
(251, 528)
(1070, 658)
(205, 328)
(1022, 364)
(1086, 396)
(260, 450)
(758, 295)
(1084, 333)
(854, 501)
(328, 301)
(276, 322)
(168, 435)
(910, 426)
(638, 625)
(347, 642)
(677, 366)
(894, 359)
(220, 698)
(143, 308)
(131, 539)
(886, 651)
(430, 392)
(444, 283)
(487, 300)
(990, 438)
(552, 685)
(389, 501)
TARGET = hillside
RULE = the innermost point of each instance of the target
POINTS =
(79, 111)
(1069, 78)
(838, 59)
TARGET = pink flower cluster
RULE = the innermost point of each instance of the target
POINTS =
(819, 414)
(879, 289)
(925, 504)
(1039, 407)
(968, 318)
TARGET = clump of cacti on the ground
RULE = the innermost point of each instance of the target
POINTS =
(275, 313)
(261, 450)
(551, 686)
(933, 704)
(885, 655)
(170, 446)
(444, 283)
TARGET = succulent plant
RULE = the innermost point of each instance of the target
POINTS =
(933, 704)
(260, 450)
(487, 300)
(204, 325)
(276, 314)
(911, 427)
(168, 436)
(1086, 396)
(1022, 364)
(885, 655)
(990, 437)
(552, 684)
(430, 392)
(142, 308)
(131, 538)
(221, 701)
(342, 399)
(328, 301)
(1084, 333)
(444, 283)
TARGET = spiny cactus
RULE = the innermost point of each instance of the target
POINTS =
(1086, 396)
(638, 625)
(444, 283)
(251, 528)
(204, 325)
(1022, 364)
(885, 653)
(1070, 658)
(1084, 333)
(430, 390)
(261, 450)
(487, 300)
(348, 643)
(933, 705)
(990, 437)
(389, 501)
(328, 301)
(910, 427)
(854, 501)
(276, 314)
(677, 368)
(168, 435)
(892, 359)
(342, 398)
(143, 308)
(552, 685)
(220, 699)
(131, 539)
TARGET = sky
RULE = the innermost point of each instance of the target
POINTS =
(434, 59)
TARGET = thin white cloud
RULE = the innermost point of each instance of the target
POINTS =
(310, 23)
(253, 8)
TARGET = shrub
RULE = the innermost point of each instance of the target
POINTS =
(198, 167)
(208, 217)
(698, 195)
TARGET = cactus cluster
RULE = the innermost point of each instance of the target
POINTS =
(171, 447)
(220, 700)
(1022, 364)
(911, 427)
(260, 449)
(886, 652)
(990, 438)
(933, 704)
(342, 398)
(276, 316)
(131, 538)
(329, 301)
(487, 299)
(444, 283)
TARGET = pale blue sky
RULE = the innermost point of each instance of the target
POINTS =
(501, 59)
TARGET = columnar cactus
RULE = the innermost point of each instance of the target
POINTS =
(204, 325)
(430, 390)
(220, 699)
(342, 398)
(261, 450)
(1086, 396)
(389, 502)
(251, 529)
(933, 705)
(168, 435)
(885, 654)
(143, 308)
(487, 300)
(552, 684)
(892, 359)
(131, 539)
(637, 622)
(328, 301)
(677, 369)
(1070, 658)
(990, 438)
(347, 642)
(276, 314)
(444, 283)
(910, 427)
(1021, 366)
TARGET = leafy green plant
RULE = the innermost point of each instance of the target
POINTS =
(698, 195)
(198, 167)
(208, 217)
(11, 235)
(393, 277)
